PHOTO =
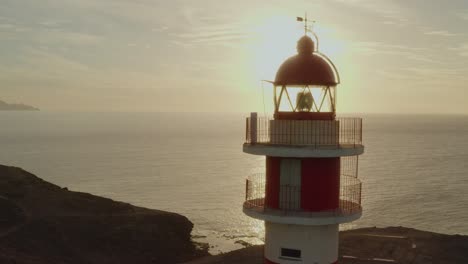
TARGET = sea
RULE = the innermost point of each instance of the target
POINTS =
(414, 170)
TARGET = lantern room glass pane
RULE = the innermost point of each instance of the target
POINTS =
(305, 98)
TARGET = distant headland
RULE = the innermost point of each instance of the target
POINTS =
(16, 107)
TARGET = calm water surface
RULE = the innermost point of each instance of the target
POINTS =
(414, 171)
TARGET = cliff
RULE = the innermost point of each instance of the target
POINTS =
(16, 107)
(44, 223)
(396, 245)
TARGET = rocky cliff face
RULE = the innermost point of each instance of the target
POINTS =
(44, 223)
(16, 107)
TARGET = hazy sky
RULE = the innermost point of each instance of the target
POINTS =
(148, 55)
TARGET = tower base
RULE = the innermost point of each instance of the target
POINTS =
(286, 244)
(266, 261)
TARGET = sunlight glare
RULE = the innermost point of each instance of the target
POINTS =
(276, 41)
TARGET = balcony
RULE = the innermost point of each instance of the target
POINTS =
(290, 209)
(304, 138)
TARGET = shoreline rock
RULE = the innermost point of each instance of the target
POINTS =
(44, 223)
(373, 245)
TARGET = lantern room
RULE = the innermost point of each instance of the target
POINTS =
(305, 85)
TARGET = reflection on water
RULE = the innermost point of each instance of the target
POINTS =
(413, 171)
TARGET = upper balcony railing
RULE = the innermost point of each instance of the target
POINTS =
(315, 133)
(290, 201)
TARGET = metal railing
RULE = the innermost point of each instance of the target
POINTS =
(317, 133)
(290, 196)
(255, 190)
(350, 195)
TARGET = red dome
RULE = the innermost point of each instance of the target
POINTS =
(308, 67)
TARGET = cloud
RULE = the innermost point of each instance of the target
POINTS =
(37, 67)
(442, 33)
(375, 47)
(425, 76)
(52, 23)
(212, 36)
(160, 29)
(394, 74)
(211, 30)
(396, 22)
(392, 12)
(463, 50)
(463, 15)
(6, 26)
(408, 55)
(435, 72)
(33, 60)
(9, 27)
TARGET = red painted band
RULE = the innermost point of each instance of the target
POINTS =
(320, 184)
(272, 182)
(304, 116)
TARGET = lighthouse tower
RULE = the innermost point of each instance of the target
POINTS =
(310, 184)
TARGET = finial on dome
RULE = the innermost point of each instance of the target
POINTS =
(305, 45)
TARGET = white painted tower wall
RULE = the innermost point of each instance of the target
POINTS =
(318, 244)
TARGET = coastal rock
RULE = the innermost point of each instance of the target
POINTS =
(397, 245)
(44, 223)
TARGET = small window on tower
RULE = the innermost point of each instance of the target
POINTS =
(290, 253)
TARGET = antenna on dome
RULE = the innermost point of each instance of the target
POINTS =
(306, 26)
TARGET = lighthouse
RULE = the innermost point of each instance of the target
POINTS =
(310, 185)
